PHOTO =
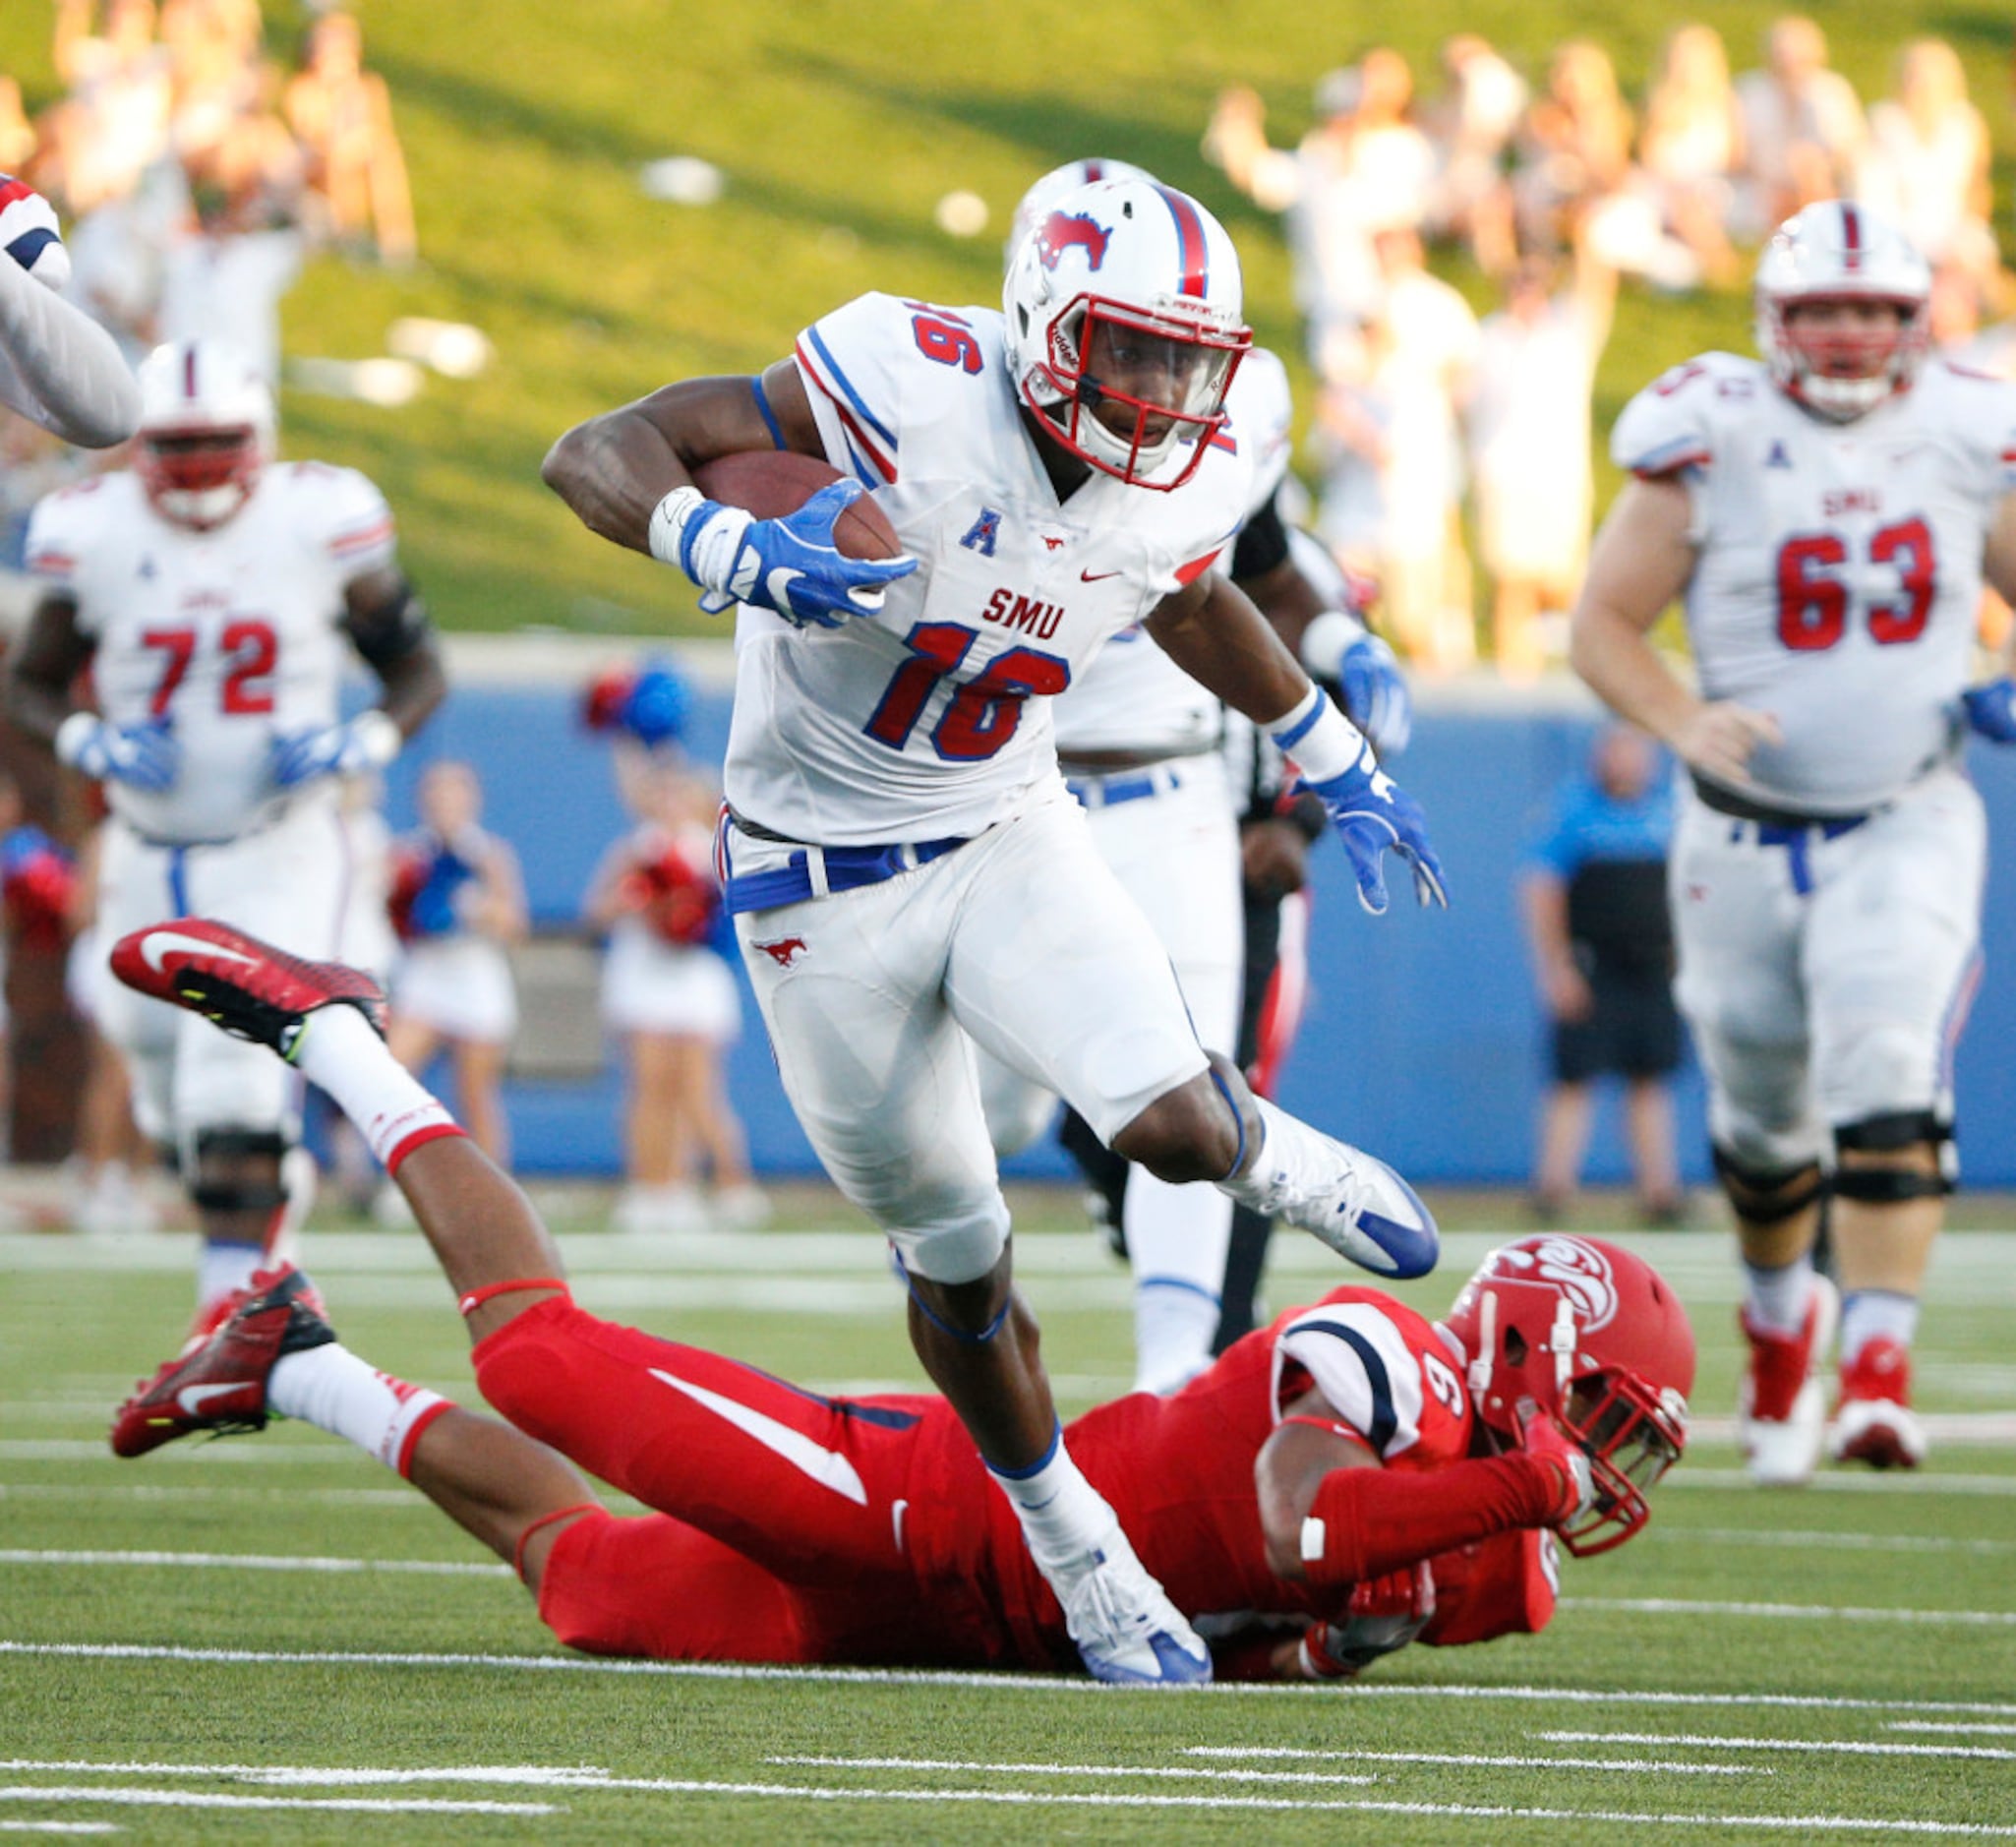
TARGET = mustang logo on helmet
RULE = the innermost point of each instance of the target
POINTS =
(1072, 230)
(1579, 1270)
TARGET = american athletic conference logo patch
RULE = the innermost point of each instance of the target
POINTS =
(1579, 1271)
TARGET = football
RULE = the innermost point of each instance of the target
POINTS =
(773, 482)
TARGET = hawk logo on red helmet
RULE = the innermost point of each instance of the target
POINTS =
(1579, 1271)
(1069, 231)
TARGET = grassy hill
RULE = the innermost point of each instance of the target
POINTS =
(838, 128)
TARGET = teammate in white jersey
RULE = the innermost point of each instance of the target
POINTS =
(215, 596)
(1144, 748)
(906, 865)
(1828, 515)
(57, 366)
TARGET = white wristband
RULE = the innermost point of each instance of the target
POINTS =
(378, 737)
(1326, 639)
(1320, 741)
(74, 737)
(717, 536)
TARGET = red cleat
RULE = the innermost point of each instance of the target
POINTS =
(1781, 1416)
(218, 1383)
(1873, 1422)
(250, 988)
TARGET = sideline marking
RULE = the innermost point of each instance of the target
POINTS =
(193, 1799)
(259, 1562)
(1006, 1681)
(1705, 1740)
(1268, 1776)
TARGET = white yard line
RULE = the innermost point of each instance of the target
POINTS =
(259, 1562)
(1812, 1612)
(1944, 1725)
(1706, 1741)
(1886, 1484)
(1004, 1682)
(196, 1799)
(1807, 1540)
(1444, 1759)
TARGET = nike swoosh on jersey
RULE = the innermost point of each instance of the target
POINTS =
(828, 1468)
(193, 1398)
(1096, 576)
(163, 942)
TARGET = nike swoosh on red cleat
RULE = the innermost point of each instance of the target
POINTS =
(165, 942)
(194, 1398)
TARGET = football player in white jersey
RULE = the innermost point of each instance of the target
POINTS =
(906, 864)
(215, 596)
(57, 366)
(1143, 746)
(1828, 516)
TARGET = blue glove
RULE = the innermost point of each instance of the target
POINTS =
(1992, 709)
(434, 903)
(1376, 696)
(368, 742)
(790, 566)
(141, 757)
(1371, 813)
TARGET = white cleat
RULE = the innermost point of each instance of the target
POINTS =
(1781, 1413)
(1127, 1630)
(1358, 1206)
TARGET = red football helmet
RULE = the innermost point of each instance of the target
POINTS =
(1594, 1337)
(1124, 329)
(207, 426)
(1839, 252)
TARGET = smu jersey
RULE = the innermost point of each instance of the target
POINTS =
(1133, 696)
(930, 718)
(1838, 565)
(232, 635)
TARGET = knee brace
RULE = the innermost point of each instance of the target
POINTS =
(217, 1181)
(1767, 1195)
(1890, 1183)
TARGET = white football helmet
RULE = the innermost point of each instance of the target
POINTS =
(1037, 201)
(1124, 329)
(207, 428)
(1832, 252)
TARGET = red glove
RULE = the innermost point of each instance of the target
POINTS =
(1543, 1439)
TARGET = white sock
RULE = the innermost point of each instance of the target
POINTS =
(1063, 1516)
(1174, 1325)
(1289, 1152)
(223, 1270)
(1875, 1315)
(1777, 1298)
(394, 1111)
(333, 1389)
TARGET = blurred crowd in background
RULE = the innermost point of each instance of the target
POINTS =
(194, 170)
(1555, 185)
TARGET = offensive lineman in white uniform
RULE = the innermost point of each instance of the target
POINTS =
(1143, 746)
(1829, 515)
(215, 596)
(57, 366)
(904, 862)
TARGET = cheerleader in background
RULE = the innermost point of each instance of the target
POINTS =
(668, 989)
(457, 903)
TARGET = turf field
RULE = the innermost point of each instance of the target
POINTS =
(272, 1638)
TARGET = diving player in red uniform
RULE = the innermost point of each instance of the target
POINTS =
(1340, 1483)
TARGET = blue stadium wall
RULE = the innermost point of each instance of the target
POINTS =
(1422, 1041)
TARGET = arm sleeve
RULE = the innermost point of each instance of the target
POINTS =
(59, 368)
(850, 361)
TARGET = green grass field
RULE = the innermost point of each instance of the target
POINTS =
(271, 1637)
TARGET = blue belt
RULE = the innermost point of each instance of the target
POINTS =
(1109, 792)
(1795, 839)
(835, 869)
